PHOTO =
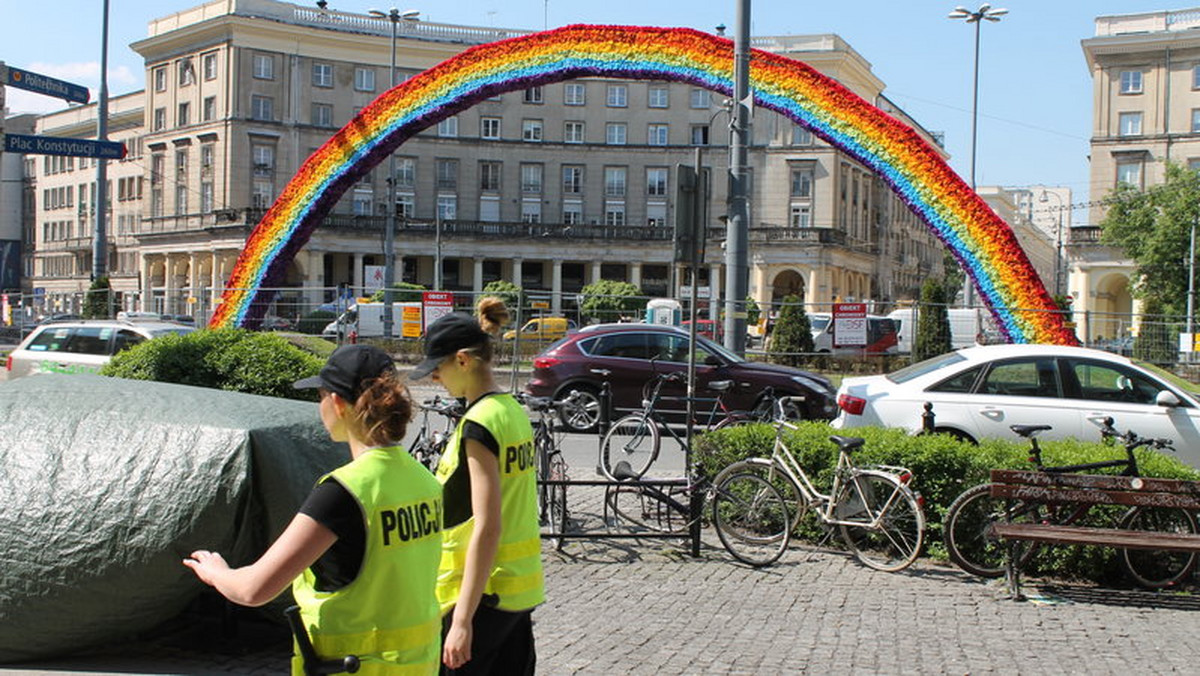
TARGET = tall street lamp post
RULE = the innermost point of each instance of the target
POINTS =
(1058, 241)
(395, 16)
(985, 13)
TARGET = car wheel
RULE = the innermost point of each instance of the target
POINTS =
(580, 413)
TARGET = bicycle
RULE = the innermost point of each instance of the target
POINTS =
(636, 439)
(429, 443)
(971, 547)
(875, 510)
(551, 466)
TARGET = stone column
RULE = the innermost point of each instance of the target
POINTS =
(635, 274)
(596, 272)
(516, 271)
(714, 283)
(477, 272)
(357, 274)
(556, 287)
(145, 302)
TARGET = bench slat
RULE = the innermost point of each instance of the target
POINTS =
(1096, 481)
(1128, 498)
(1081, 535)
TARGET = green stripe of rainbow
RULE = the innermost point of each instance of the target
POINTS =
(984, 245)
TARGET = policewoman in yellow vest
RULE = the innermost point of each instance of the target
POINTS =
(491, 571)
(362, 555)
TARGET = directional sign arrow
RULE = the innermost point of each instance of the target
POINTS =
(57, 145)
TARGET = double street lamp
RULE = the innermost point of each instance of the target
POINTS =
(395, 16)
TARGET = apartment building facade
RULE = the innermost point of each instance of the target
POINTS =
(551, 188)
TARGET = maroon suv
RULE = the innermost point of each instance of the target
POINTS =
(628, 355)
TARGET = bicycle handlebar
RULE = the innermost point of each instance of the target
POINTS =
(446, 406)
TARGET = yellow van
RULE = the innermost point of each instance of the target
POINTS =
(543, 328)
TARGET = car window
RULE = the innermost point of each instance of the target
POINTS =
(126, 338)
(630, 345)
(1022, 378)
(90, 340)
(962, 382)
(923, 367)
(1111, 382)
(50, 340)
(666, 347)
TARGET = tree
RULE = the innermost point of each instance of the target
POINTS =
(507, 291)
(1156, 341)
(98, 300)
(752, 311)
(1153, 227)
(792, 338)
(402, 292)
(933, 323)
(609, 300)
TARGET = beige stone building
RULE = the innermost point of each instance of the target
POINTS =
(1145, 111)
(551, 188)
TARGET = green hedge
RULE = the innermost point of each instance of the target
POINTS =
(943, 468)
(223, 359)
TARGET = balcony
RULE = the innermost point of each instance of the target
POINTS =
(1084, 235)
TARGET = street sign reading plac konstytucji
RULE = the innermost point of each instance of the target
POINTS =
(42, 84)
(73, 147)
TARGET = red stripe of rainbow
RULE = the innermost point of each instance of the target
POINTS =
(984, 245)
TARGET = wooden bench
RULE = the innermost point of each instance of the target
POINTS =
(1051, 488)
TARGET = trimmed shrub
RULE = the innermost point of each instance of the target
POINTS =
(943, 467)
(221, 359)
(791, 340)
(933, 323)
(98, 300)
(402, 292)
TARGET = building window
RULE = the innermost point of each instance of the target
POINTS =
(1195, 120)
(699, 135)
(264, 67)
(447, 174)
(531, 130)
(322, 74)
(489, 176)
(264, 160)
(574, 94)
(447, 207)
(210, 66)
(572, 213)
(448, 128)
(322, 115)
(802, 182)
(1129, 124)
(800, 216)
(656, 215)
(206, 197)
(572, 183)
(406, 206)
(700, 98)
(363, 203)
(658, 96)
(160, 119)
(531, 178)
(364, 79)
(656, 181)
(489, 128)
(1131, 82)
(184, 114)
(210, 108)
(1129, 172)
(801, 136)
(614, 133)
(531, 211)
(406, 172)
(262, 195)
(262, 108)
(160, 79)
(187, 73)
(656, 135)
(614, 213)
(533, 95)
(573, 132)
(206, 159)
(181, 200)
(618, 96)
(1194, 164)
(614, 181)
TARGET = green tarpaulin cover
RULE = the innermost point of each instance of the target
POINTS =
(106, 484)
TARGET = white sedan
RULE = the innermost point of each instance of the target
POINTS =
(979, 392)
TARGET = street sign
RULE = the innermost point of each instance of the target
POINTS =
(436, 304)
(41, 84)
(72, 147)
(849, 324)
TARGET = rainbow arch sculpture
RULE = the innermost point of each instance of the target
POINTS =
(984, 245)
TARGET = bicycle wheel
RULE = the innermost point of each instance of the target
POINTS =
(751, 519)
(633, 440)
(965, 531)
(641, 509)
(773, 474)
(544, 446)
(1155, 568)
(557, 515)
(893, 525)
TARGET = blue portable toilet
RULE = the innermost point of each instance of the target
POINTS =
(665, 311)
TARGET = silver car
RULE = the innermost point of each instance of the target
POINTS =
(81, 346)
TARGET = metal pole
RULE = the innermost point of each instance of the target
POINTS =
(737, 258)
(1191, 299)
(99, 234)
(968, 286)
(389, 233)
(698, 197)
(437, 245)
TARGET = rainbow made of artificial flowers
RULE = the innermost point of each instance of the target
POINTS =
(984, 245)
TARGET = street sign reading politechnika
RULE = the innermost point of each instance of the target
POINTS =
(73, 147)
(23, 79)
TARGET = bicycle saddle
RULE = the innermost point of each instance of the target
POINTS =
(1028, 431)
(720, 385)
(623, 470)
(847, 444)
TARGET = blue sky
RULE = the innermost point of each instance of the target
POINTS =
(1034, 92)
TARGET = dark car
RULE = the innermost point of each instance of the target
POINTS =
(627, 355)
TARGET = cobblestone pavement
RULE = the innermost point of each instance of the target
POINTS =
(647, 607)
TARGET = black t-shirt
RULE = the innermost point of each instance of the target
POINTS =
(456, 493)
(332, 506)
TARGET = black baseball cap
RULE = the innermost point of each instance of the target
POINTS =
(449, 334)
(347, 369)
